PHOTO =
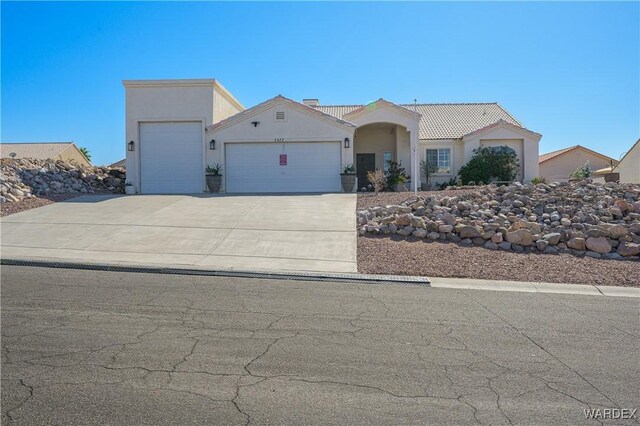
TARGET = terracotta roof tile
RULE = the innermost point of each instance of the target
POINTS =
(442, 121)
(37, 150)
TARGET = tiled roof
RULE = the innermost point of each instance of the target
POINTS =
(554, 154)
(443, 121)
(249, 112)
(121, 163)
(37, 150)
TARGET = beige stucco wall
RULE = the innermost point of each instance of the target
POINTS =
(73, 155)
(629, 167)
(164, 101)
(224, 105)
(299, 126)
(558, 168)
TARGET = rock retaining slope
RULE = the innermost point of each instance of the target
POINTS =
(582, 218)
(27, 178)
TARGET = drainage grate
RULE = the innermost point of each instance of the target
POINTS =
(298, 276)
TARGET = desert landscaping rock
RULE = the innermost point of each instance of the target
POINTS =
(581, 218)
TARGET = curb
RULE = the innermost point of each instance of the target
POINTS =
(297, 276)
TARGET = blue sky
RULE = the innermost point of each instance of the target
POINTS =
(570, 71)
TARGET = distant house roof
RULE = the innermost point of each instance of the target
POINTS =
(628, 152)
(38, 150)
(67, 151)
(553, 154)
(442, 121)
(121, 163)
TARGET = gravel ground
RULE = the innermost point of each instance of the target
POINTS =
(370, 199)
(31, 203)
(411, 256)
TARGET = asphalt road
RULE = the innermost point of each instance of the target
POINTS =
(84, 347)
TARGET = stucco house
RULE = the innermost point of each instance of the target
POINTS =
(175, 128)
(66, 151)
(556, 166)
(629, 165)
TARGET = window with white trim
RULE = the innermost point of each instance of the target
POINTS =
(386, 157)
(441, 159)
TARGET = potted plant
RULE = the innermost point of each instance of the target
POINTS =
(214, 178)
(348, 178)
(427, 168)
(129, 189)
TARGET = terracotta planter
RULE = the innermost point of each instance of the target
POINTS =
(426, 186)
(213, 182)
(348, 181)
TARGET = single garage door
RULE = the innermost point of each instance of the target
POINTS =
(283, 167)
(171, 158)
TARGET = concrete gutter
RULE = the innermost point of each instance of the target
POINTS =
(535, 287)
(435, 282)
(203, 270)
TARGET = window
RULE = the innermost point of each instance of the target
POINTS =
(386, 157)
(441, 158)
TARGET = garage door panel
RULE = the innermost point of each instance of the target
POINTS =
(171, 157)
(255, 167)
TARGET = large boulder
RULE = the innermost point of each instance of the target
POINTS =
(598, 244)
(627, 248)
(521, 237)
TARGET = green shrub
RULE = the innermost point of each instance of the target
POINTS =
(490, 164)
(536, 180)
(582, 172)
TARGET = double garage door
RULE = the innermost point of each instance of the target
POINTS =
(171, 162)
(282, 167)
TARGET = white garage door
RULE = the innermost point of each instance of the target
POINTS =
(171, 158)
(283, 167)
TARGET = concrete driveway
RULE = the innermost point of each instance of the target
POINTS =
(255, 233)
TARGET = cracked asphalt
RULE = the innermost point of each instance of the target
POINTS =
(91, 347)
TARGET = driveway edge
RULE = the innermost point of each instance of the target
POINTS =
(181, 270)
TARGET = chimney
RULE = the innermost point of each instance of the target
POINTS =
(311, 102)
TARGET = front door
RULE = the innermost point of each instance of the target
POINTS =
(364, 163)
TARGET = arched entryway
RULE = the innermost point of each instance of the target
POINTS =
(377, 143)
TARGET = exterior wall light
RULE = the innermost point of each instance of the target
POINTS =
(212, 144)
(131, 146)
(346, 142)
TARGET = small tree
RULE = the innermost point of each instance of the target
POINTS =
(377, 179)
(427, 168)
(85, 152)
(582, 172)
(395, 175)
(490, 164)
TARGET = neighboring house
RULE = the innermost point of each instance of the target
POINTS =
(557, 166)
(67, 151)
(629, 165)
(122, 163)
(175, 128)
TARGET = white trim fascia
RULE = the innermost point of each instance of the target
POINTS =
(477, 134)
(170, 83)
